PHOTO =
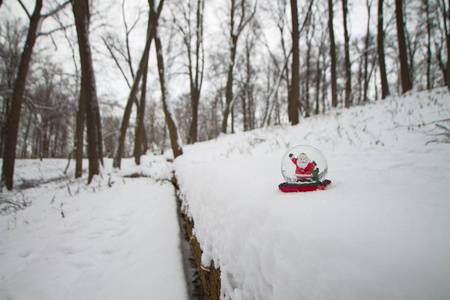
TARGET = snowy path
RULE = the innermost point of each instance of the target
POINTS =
(116, 243)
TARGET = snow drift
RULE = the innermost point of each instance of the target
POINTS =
(380, 230)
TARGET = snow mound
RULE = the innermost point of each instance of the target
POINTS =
(379, 231)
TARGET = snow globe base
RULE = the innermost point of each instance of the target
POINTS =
(304, 168)
(303, 187)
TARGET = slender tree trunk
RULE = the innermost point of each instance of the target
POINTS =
(175, 139)
(12, 122)
(27, 132)
(79, 135)
(429, 54)
(295, 85)
(381, 56)
(366, 53)
(334, 101)
(229, 86)
(196, 72)
(348, 74)
(236, 28)
(140, 119)
(403, 55)
(81, 14)
(446, 68)
(151, 31)
(447, 21)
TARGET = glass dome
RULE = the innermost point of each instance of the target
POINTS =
(304, 163)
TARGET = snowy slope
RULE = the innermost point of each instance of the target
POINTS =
(96, 242)
(380, 231)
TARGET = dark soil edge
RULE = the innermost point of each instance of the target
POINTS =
(203, 282)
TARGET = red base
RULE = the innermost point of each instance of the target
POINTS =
(307, 187)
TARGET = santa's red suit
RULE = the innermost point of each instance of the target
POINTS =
(304, 171)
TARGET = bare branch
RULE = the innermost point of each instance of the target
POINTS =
(56, 10)
(113, 56)
(54, 30)
(24, 8)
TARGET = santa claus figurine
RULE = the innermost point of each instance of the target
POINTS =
(304, 170)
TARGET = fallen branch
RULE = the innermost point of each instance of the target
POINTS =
(9, 205)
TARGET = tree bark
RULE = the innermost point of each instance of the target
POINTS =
(88, 86)
(381, 56)
(229, 86)
(175, 139)
(293, 104)
(334, 101)
(446, 67)
(79, 135)
(348, 74)
(403, 55)
(151, 32)
(429, 54)
(140, 119)
(12, 122)
(366, 53)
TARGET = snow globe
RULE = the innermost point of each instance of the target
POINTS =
(304, 168)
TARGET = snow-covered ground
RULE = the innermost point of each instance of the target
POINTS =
(98, 242)
(379, 231)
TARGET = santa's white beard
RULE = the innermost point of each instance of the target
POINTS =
(302, 165)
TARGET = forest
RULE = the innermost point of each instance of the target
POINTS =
(94, 79)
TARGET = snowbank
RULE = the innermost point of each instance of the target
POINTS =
(380, 231)
(96, 242)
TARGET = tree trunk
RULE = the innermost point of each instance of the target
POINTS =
(429, 54)
(229, 86)
(235, 32)
(12, 122)
(196, 72)
(140, 119)
(366, 53)
(295, 83)
(81, 14)
(334, 101)
(175, 139)
(381, 57)
(79, 135)
(348, 74)
(193, 129)
(446, 68)
(151, 31)
(403, 55)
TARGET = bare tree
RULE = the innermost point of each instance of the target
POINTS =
(366, 51)
(191, 27)
(238, 9)
(151, 32)
(447, 32)
(88, 92)
(12, 122)
(445, 67)
(13, 35)
(294, 95)
(381, 55)
(403, 54)
(333, 67)
(426, 8)
(348, 71)
(175, 139)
